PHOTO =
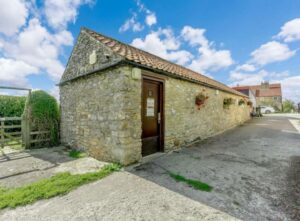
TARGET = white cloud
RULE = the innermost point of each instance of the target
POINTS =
(246, 78)
(240, 78)
(60, 12)
(209, 59)
(37, 47)
(13, 14)
(291, 88)
(194, 36)
(14, 72)
(290, 31)
(245, 67)
(164, 44)
(55, 92)
(270, 52)
(131, 23)
(151, 19)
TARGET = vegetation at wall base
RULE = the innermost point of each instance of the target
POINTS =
(196, 184)
(77, 154)
(58, 184)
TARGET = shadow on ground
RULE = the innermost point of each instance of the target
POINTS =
(22, 167)
(254, 170)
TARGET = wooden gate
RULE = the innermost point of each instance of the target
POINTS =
(16, 131)
(10, 131)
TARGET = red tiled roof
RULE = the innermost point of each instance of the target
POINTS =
(273, 90)
(154, 62)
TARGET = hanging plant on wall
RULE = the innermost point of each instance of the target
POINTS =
(241, 102)
(227, 102)
(200, 100)
(249, 103)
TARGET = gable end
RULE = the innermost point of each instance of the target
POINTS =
(79, 62)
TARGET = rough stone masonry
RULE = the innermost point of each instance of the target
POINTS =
(101, 105)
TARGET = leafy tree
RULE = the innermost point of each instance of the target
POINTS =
(288, 106)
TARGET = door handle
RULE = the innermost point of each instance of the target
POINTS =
(158, 118)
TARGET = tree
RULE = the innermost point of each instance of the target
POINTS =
(288, 106)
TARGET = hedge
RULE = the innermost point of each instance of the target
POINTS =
(44, 114)
(12, 106)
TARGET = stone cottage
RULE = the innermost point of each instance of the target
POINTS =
(120, 103)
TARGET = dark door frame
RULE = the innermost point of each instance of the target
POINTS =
(162, 107)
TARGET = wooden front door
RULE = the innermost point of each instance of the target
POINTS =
(152, 117)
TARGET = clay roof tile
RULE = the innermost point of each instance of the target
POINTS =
(154, 62)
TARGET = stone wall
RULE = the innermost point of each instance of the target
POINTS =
(78, 64)
(100, 113)
(184, 123)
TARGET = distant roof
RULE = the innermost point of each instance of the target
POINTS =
(148, 60)
(272, 90)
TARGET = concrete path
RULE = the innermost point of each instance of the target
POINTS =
(121, 196)
(18, 168)
(254, 170)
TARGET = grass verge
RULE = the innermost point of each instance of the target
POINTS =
(77, 154)
(58, 184)
(15, 145)
(196, 184)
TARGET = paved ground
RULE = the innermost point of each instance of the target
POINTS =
(121, 196)
(254, 169)
(18, 168)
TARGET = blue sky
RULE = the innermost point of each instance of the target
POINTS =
(235, 42)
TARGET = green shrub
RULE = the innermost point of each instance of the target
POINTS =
(11, 106)
(227, 102)
(288, 106)
(44, 114)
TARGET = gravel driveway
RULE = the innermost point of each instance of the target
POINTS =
(254, 170)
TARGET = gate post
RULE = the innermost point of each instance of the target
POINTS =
(26, 123)
(2, 133)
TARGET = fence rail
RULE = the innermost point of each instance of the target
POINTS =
(10, 131)
(18, 130)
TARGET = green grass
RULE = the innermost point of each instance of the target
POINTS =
(15, 145)
(77, 154)
(196, 184)
(58, 184)
(2, 190)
